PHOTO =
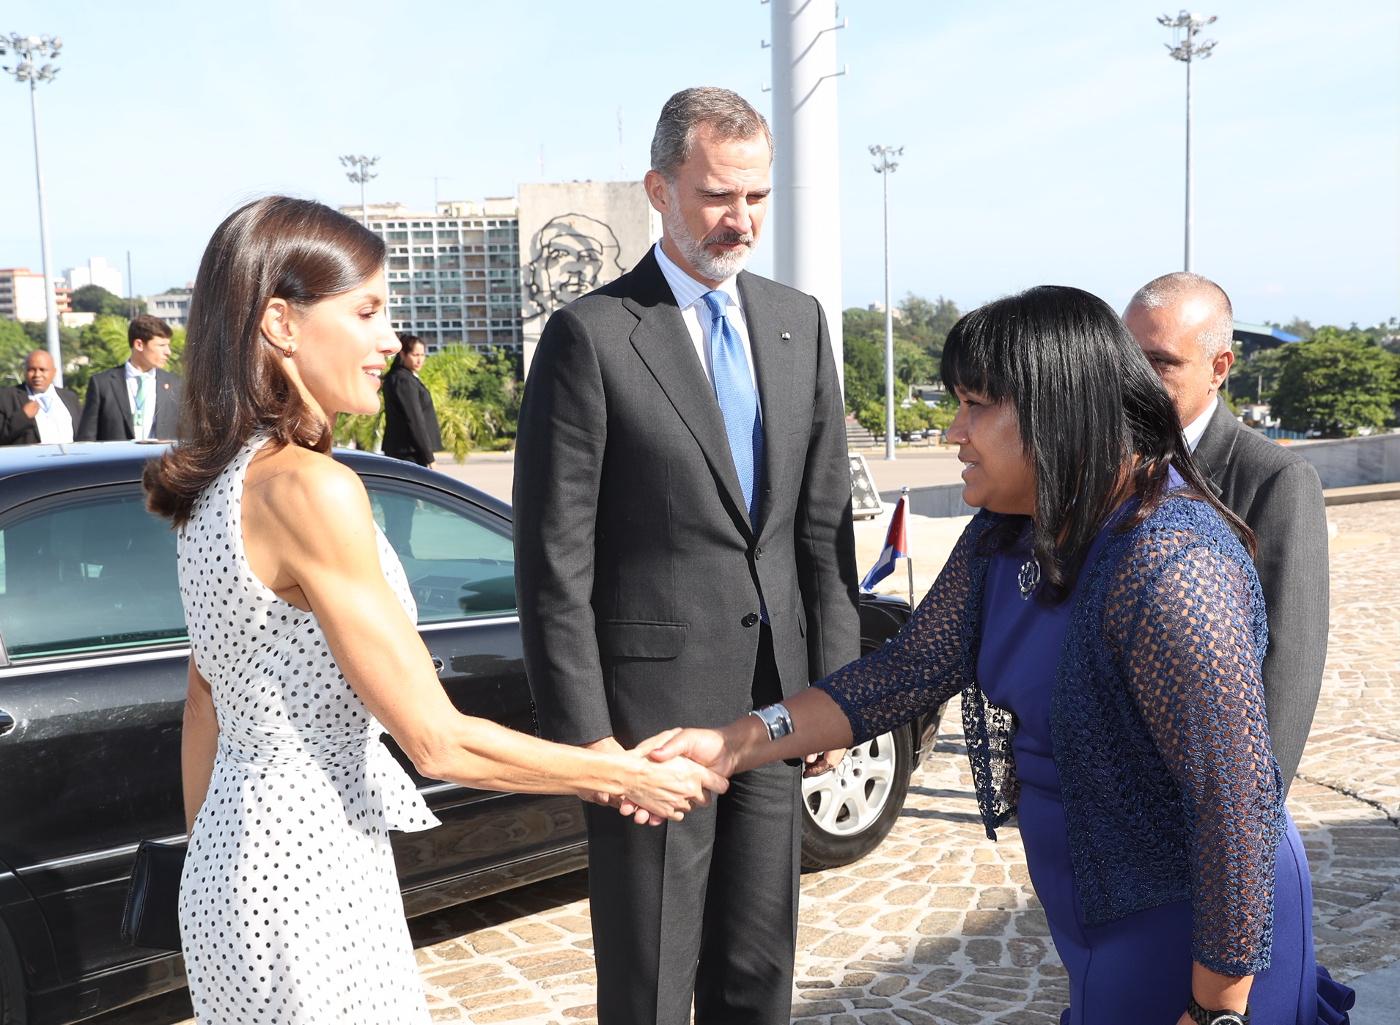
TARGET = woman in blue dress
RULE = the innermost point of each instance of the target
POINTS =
(1103, 623)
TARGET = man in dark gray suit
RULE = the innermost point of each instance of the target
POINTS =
(1184, 324)
(139, 399)
(684, 555)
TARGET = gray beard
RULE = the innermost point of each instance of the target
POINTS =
(714, 268)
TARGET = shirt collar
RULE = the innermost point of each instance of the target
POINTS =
(131, 371)
(687, 290)
(1197, 427)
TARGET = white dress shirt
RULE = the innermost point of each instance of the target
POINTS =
(689, 295)
(54, 421)
(141, 426)
(1197, 427)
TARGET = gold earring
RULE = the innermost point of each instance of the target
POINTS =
(291, 348)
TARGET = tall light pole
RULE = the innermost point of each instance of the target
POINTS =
(1186, 49)
(27, 49)
(884, 169)
(360, 174)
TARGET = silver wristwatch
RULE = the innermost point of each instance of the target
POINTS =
(775, 719)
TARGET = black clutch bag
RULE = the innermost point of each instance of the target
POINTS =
(151, 916)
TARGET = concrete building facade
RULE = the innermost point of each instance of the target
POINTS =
(489, 274)
(575, 236)
(453, 274)
(171, 307)
(22, 295)
(97, 271)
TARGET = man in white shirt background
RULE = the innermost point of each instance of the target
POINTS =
(37, 411)
(138, 400)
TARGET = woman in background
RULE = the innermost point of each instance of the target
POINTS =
(410, 422)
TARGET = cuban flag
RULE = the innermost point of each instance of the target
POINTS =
(896, 547)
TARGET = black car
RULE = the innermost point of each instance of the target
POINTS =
(92, 681)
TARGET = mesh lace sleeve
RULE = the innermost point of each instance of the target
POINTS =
(922, 665)
(1187, 626)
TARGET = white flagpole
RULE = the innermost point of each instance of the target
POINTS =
(909, 555)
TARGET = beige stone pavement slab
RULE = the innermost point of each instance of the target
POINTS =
(940, 925)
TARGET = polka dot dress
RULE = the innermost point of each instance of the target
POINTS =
(289, 904)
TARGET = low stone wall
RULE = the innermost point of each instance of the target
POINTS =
(1350, 462)
(935, 500)
(1344, 463)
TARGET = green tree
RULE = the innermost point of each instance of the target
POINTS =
(926, 322)
(1255, 379)
(96, 299)
(912, 365)
(1336, 383)
(865, 370)
(15, 347)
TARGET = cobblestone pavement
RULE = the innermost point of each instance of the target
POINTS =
(940, 925)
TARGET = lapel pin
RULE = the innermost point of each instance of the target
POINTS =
(785, 336)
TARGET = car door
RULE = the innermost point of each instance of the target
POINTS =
(461, 567)
(92, 683)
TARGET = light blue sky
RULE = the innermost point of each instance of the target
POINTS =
(1043, 140)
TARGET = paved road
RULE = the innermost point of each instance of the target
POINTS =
(939, 925)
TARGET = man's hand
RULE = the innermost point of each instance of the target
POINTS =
(30, 408)
(822, 761)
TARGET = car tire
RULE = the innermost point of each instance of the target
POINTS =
(11, 982)
(848, 811)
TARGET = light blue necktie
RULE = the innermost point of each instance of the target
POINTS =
(738, 400)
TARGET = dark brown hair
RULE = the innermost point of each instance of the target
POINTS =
(273, 248)
(145, 327)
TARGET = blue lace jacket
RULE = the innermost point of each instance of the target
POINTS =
(1170, 788)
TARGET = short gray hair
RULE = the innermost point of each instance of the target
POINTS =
(1219, 331)
(727, 114)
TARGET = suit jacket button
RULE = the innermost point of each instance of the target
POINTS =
(758, 553)
(750, 619)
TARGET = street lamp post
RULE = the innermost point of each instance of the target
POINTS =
(360, 174)
(884, 169)
(27, 49)
(1186, 50)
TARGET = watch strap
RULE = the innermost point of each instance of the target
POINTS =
(1202, 1016)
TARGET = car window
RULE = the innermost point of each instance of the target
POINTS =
(459, 560)
(88, 573)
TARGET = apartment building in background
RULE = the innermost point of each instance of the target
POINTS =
(22, 295)
(489, 274)
(454, 274)
(97, 271)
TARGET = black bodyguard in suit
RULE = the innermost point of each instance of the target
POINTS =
(650, 598)
(1184, 324)
(109, 413)
(19, 409)
(410, 422)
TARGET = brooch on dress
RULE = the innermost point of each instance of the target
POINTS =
(1028, 577)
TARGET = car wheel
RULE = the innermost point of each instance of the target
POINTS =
(848, 811)
(11, 983)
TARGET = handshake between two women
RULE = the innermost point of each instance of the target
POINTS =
(679, 769)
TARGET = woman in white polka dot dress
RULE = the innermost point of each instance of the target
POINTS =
(303, 643)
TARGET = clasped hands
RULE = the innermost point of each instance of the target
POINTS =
(678, 769)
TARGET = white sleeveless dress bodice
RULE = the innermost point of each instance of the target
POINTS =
(289, 904)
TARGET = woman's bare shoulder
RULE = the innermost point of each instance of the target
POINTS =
(302, 488)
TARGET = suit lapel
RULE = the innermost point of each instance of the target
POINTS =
(124, 400)
(663, 343)
(773, 361)
(1212, 453)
